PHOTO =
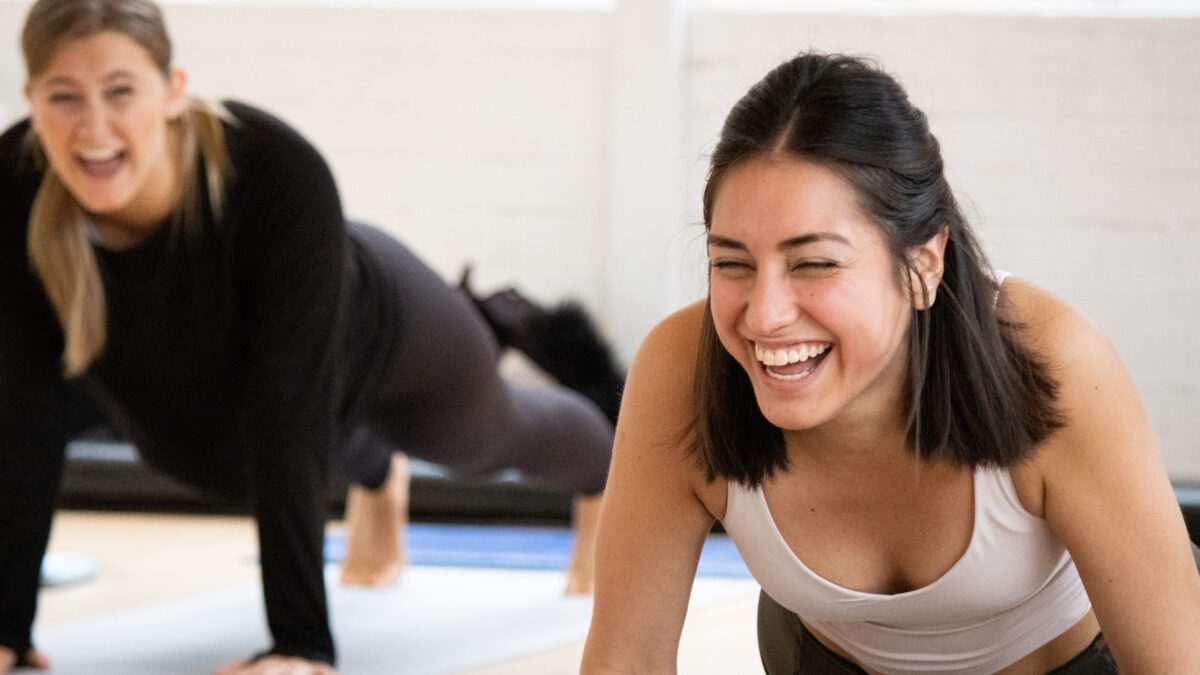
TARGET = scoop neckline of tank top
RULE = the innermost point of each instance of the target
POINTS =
(975, 506)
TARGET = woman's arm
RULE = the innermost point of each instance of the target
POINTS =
(652, 523)
(32, 441)
(1108, 498)
(33, 425)
(290, 236)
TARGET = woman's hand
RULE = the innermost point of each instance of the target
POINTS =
(33, 659)
(277, 665)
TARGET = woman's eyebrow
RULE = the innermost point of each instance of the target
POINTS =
(802, 240)
(60, 80)
(812, 238)
(725, 242)
(119, 74)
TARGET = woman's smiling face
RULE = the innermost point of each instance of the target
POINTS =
(805, 296)
(101, 109)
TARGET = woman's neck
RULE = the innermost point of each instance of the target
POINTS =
(871, 434)
(852, 448)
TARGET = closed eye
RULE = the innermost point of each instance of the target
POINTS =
(64, 97)
(815, 265)
(729, 264)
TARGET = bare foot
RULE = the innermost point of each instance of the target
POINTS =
(375, 522)
(581, 574)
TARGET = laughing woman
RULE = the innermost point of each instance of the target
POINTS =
(928, 467)
(188, 267)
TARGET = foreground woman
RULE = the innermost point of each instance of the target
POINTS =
(928, 467)
(189, 268)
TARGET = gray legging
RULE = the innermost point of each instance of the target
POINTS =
(440, 398)
(787, 647)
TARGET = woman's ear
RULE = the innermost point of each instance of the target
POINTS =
(928, 264)
(176, 93)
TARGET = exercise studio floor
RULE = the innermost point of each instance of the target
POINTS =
(179, 594)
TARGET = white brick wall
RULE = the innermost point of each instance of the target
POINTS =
(470, 135)
(483, 135)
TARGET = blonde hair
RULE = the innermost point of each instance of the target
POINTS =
(59, 248)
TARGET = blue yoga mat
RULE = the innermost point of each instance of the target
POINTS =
(511, 547)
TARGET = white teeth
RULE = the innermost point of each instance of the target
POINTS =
(783, 357)
(99, 155)
(797, 376)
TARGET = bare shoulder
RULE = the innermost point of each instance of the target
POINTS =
(678, 331)
(1053, 329)
(1105, 426)
(665, 364)
(1092, 381)
(658, 406)
(1081, 358)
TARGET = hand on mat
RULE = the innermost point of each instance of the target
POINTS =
(277, 665)
(33, 659)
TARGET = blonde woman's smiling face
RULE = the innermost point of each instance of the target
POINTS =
(101, 109)
(805, 296)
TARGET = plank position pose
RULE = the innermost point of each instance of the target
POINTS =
(188, 267)
(928, 467)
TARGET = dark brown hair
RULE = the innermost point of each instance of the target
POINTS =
(975, 395)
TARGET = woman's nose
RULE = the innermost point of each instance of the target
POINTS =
(772, 306)
(93, 121)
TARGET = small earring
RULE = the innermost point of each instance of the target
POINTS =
(930, 295)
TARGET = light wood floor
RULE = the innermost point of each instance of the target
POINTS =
(152, 558)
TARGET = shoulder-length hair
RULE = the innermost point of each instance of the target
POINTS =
(58, 244)
(974, 393)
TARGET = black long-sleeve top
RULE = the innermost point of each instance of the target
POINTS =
(233, 361)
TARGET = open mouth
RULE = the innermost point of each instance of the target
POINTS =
(101, 163)
(793, 363)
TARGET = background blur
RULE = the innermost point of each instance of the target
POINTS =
(561, 145)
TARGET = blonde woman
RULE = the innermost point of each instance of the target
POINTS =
(928, 467)
(188, 267)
